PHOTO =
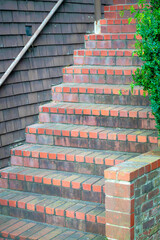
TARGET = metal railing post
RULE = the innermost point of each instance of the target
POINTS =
(97, 9)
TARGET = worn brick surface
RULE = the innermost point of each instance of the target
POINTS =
(74, 186)
(53, 208)
(134, 140)
(94, 122)
(68, 159)
(14, 228)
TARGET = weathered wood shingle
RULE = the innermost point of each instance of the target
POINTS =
(30, 83)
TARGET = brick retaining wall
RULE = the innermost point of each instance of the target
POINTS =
(132, 198)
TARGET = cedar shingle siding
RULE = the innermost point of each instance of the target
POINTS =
(30, 83)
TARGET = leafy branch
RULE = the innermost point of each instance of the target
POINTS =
(148, 49)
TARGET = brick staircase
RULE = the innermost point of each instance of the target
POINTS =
(54, 188)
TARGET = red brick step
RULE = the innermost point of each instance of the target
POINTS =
(86, 216)
(118, 139)
(117, 28)
(110, 41)
(98, 75)
(104, 57)
(124, 2)
(104, 52)
(67, 159)
(104, 115)
(113, 12)
(56, 183)
(15, 228)
(94, 122)
(99, 94)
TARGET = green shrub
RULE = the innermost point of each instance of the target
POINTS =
(148, 49)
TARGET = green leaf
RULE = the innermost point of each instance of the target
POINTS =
(144, 93)
(134, 53)
(132, 10)
(132, 85)
(121, 14)
(130, 20)
(120, 93)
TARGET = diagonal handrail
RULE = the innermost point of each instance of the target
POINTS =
(30, 42)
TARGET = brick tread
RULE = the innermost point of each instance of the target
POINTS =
(110, 58)
(95, 114)
(50, 205)
(75, 155)
(104, 52)
(120, 21)
(16, 228)
(110, 36)
(92, 137)
(116, 28)
(69, 68)
(90, 88)
(98, 88)
(112, 12)
(98, 75)
(62, 179)
(72, 108)
(94, 93)
(100, 70)
(111, 42)
(120, 7)
(104, 57)
(101, 87)
(71, 130)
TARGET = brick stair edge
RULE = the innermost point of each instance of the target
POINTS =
(60, 212)
(23, 228)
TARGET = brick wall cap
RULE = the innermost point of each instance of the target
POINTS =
(134, 167)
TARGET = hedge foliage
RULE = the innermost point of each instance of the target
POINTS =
(148, 49)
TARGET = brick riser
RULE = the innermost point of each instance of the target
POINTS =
(98, 115)
(111, 121)
(60, 212)
(115, 2)
(91, 137)
(115, 15)
(67, 159)
(105, 42)
(117, 28)
(93, 122)
(101, 60)
(98, 75)
(113, 12)
(96, 78)
(26, 229)
(101, 94)
(49, 182)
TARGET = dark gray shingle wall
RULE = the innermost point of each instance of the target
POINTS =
(30, 83)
